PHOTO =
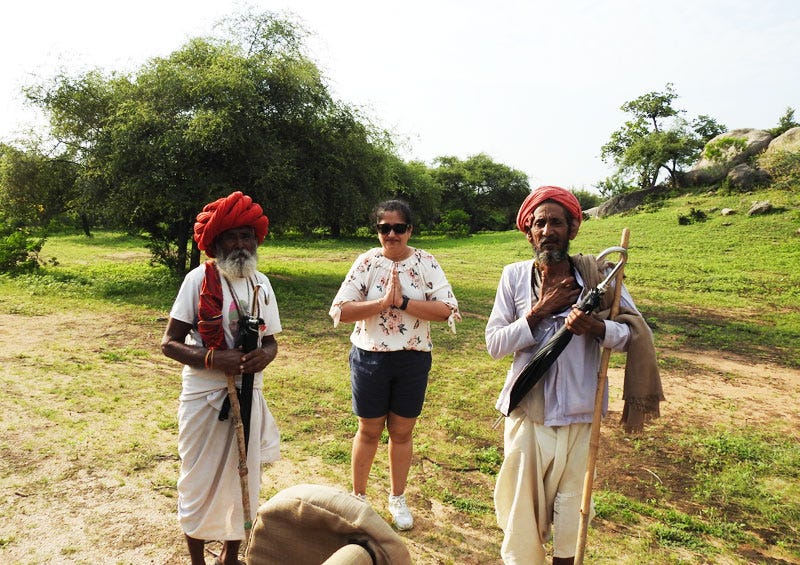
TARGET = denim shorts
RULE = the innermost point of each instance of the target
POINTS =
(388, 381)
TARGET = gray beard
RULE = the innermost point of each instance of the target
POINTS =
(549, 257)
(239, 264)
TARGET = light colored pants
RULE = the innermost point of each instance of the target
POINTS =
(540, 485)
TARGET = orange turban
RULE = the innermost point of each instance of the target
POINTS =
(234, 211)
(554, 193)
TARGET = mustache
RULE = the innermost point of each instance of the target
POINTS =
(239, 254)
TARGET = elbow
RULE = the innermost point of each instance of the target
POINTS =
(493, 350)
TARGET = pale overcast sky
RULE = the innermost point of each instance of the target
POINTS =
(537, 85)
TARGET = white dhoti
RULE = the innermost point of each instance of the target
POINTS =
(209, 489)
(539, 486)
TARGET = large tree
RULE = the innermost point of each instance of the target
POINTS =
(657, 138)
(246, 111)
(487, 191)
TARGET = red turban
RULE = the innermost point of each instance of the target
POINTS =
(554, 193)
(234, 211)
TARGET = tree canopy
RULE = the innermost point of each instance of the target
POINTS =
(248, 111)
(488, 192)
(656, 138)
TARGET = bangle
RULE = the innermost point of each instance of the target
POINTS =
(210, 353)
(404, 305)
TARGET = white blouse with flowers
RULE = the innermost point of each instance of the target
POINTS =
(421, 278)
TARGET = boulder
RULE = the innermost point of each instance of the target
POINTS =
(745, 177)
(760, 207)
(628, 201)
(590, 213)
(727, 211)
(708, 171)
(787, 141)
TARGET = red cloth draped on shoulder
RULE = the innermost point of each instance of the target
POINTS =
(210, 309)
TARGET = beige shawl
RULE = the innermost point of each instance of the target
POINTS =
(641, 390)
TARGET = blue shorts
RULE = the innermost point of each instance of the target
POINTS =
(388, 381)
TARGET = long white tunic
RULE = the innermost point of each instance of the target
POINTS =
(209, 491)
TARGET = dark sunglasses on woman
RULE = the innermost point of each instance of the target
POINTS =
(399, 229)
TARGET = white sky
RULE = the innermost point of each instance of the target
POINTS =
(536, 85)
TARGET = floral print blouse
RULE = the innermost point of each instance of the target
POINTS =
(421, 278)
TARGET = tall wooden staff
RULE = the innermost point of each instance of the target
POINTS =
(236, 414)
(594, 439)
(241, 414)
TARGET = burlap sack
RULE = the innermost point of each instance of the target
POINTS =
(306, 524)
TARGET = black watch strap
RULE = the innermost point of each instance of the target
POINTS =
(404, 305)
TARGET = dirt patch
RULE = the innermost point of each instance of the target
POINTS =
(60, 504)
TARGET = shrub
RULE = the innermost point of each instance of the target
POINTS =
(454, 223)
(19, 251)
(783, 166)
(693, 216)
(724, 149)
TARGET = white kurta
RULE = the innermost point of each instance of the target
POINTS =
(209, 491)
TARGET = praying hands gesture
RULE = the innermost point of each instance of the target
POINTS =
(394, 290)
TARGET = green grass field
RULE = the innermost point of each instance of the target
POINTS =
(726, 286)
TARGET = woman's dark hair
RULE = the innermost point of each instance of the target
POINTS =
(393, 205)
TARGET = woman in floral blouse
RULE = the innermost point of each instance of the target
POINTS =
(392, 293)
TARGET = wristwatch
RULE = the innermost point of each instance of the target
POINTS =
(404, 305)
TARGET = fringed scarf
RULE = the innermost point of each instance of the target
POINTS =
(642, 391)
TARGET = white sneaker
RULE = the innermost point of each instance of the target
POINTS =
(401, 515)
(362, 497)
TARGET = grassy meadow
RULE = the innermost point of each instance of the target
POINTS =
(97, 396)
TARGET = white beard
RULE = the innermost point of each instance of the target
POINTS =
(239, 264)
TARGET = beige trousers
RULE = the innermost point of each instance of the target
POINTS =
(539, 486)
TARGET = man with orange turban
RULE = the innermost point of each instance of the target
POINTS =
(546, 440)
(203, 333)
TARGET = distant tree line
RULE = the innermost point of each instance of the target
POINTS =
(246, 110)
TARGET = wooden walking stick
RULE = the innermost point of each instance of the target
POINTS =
(594, 438)
(236, 414)
(249, 328)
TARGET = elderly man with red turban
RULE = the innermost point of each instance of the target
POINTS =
(203, 333)
(546, 440)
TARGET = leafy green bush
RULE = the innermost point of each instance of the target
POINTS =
(454, 223)
(19, 252)
(693, 216)
(723, 149)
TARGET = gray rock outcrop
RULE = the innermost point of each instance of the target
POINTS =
(787, 141)
(708, 171)
(629, 200)
(745, 177)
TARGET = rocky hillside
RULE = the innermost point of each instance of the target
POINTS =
(742, 158)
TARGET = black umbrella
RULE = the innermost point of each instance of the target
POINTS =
(548, 353)
(248, 333)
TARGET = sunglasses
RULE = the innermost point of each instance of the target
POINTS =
(399, 229)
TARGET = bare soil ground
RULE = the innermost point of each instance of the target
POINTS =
(60, 504)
